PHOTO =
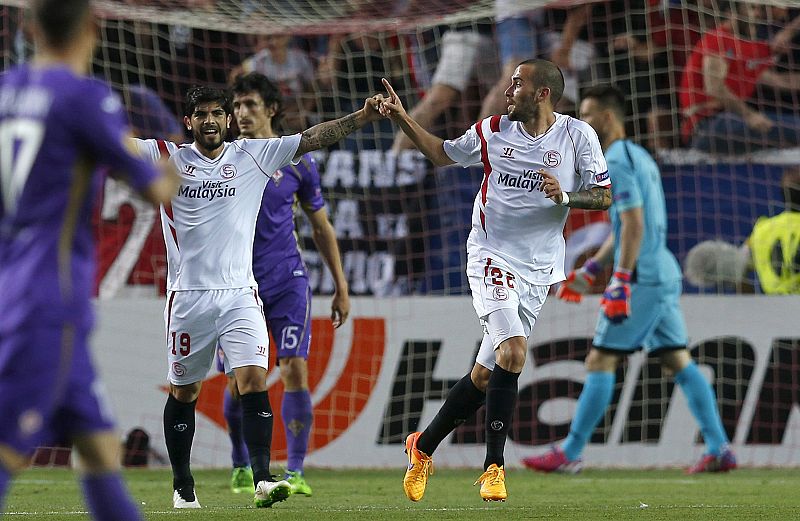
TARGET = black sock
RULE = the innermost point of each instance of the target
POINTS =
(178, 435)
(257, 429)
(463, 400)
(501, 400)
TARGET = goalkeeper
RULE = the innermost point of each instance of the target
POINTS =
(640, 307)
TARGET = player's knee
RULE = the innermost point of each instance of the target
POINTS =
(12, 460)
(251, 379)
(98, 453)
(185, 393)
(601, 361)
(511, 354)
(674, 361)
(480, 377)
(294, 373)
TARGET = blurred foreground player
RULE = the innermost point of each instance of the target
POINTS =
(56, 127)
(640, 306)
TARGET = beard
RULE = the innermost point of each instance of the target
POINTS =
(211, 142)
(524, 112)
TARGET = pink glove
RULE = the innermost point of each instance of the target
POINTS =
(578, 282)
(616, 301)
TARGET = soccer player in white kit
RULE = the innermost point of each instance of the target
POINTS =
(211, 292)
(537, 164)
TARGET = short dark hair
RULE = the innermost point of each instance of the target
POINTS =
(205, 94)
(59, 20)
(609, 97)
(269, 92)
(548, 75)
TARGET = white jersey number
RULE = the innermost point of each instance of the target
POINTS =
(26, 136)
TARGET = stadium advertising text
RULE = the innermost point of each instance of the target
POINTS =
(388, 369)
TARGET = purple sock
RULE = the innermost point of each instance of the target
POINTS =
(107, 498)
(233, 415)
(297, 415)
(5, 479)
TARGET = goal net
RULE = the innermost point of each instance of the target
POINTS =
(402, 224)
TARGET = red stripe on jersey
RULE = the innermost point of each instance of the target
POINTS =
(487, 169)
(174, 235)
(168, 210)
(494, 123)
(162, 147)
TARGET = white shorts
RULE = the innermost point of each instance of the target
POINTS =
(464, 55)
(506, 305)
(200, 320)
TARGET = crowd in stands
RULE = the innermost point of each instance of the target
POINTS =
(715, 76)
(720, 76)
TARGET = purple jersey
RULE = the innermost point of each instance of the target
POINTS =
(276, 253)
(56, 128)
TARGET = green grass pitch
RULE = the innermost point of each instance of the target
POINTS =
(53, 494)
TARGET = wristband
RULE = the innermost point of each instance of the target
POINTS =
(592, 267)
(622, 274)
(564, 199)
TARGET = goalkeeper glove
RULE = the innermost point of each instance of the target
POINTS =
(616, 301)
(578, 282)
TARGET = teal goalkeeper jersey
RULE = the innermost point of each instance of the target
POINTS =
(636, 183)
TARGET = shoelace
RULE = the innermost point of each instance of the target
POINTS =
(492, 476)
(427, 468)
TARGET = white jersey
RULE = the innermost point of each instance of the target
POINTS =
(209, 227)
(511, 218)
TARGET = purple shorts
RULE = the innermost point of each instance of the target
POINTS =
(288, 312)
(49, 391)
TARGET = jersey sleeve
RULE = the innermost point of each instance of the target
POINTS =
(625, 190)
(590, 162)
(465, 150)
(103, 129)
(147, 148)
(274, 153)
(310, 191)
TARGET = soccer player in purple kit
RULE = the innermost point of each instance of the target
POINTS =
(283, 282)
(56, 126)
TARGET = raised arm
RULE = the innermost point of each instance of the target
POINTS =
(431, 146)
(330, 132)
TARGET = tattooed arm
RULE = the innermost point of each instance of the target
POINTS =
(329, 132)
(595, 198)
